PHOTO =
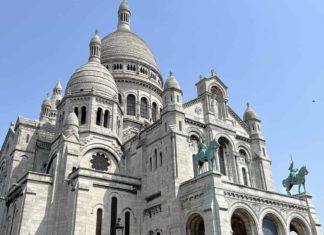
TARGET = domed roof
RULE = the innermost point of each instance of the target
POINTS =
(250, 114)
(46, 102)
(92, 76)
(123, 44)
(171, 82)
(96, 38)
(123, 6)
(71, 120)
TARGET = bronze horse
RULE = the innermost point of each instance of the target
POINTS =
(298, 179)
(205, 154)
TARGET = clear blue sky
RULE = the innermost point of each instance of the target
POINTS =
(269, 52)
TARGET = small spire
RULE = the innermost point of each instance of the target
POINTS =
(124, 15)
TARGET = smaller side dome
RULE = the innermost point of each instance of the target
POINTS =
(96, 38)
(249, 114)
(71, 120)
(46, 102)
(171, 82)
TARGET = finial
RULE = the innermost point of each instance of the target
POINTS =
(96, 32)
(170, 74)
(213, 72)
(200, 77)
(248, 104)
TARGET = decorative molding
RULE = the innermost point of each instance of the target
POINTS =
(157, 209)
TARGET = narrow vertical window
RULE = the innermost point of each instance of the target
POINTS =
(76, 111)
(178, 98)
(180, 126)
(155, 159)
(27, 138)
(154, 111)
(106, 119)
(244, 177)
(127, 223)
(263, 150)
(161, 159)
(131, 105)
(83, 115)
(151, 166)
(221, 160)
(113, 216)
(119, 98)
(99, 222)
(99, 114)
(165, 126)
(144, 108)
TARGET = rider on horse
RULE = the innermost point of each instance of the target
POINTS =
(202, 147)
(293, 172)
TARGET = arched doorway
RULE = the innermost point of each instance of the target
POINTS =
(195, 225)
(242, 223)
(298, 227)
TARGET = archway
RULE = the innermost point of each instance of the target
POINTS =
(195, 225)
(298, 227)
(271, 225)
(242, 223)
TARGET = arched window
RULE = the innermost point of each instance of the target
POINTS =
(99, 222)
(131, 105)
(127, 223)
(113, 216)
(83, 115)
(154, 111)
(99, 114)
(76, 111)
(245, 181)
(221, 156)
(106, 119)
(144, 108)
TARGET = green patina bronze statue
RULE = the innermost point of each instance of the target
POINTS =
(295, 178)
(205, 154)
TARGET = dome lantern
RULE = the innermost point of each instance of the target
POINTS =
(124, 15)
(95, 48)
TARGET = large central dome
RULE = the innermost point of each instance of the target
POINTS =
(124, 44)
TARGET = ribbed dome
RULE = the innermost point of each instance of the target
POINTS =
(92, 76)
(126, 45)
(250, 114)
(171, 82)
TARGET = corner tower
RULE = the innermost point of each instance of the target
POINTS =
(134, 68)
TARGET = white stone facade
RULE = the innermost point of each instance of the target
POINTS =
(120, 144)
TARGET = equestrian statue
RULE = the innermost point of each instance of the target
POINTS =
(205, 154)
(296, 177)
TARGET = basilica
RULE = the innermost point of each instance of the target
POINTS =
(114, 154)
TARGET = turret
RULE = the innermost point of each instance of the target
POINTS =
(46, 109)
(172, 95)
(57, 94)
(172, 113)
(261, 160)
(254, 123)
(124, 15)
